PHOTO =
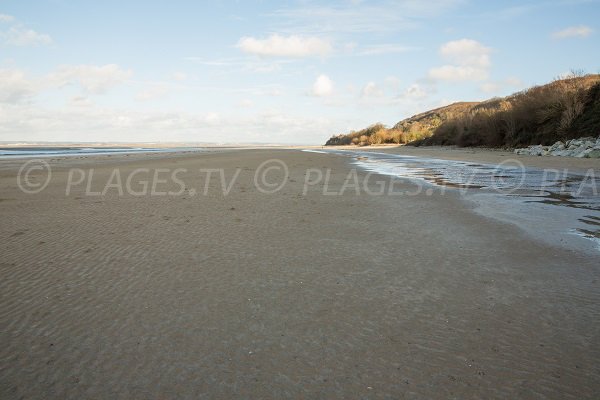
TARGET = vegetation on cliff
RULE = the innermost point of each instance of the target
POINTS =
(563, 109)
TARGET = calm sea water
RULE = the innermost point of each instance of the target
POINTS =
(44, 152)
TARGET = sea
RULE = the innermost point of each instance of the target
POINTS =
(53, 151)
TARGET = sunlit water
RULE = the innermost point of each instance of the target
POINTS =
(557, 206)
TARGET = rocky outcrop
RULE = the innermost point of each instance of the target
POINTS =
(587, 147)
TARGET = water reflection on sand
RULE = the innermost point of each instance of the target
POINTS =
(508, 191)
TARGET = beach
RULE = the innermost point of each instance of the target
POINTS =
(257, 283)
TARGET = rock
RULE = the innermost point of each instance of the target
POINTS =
(536, 150)
(582, 153)
(595, 153)
(557, 146)
(562, 153)
(580, 148)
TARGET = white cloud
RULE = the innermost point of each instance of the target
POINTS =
(348, 48)
(92, 79)
(273, 92)
(83, 123)
(153, 92)
(80, 101)
(414, 91)
(285, 46)
(15, 87)
(6, 18)
(19, 35)
(414, 98)
(179, 76)
(322, 87)
(466, 52)
(212, 118)
(573, 31)
(469, 61)
(388, 94)
(371, 90)
(392, 82)
(246, 103)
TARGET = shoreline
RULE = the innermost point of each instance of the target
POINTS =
(487, 155)
(483, 155)
(558, 209)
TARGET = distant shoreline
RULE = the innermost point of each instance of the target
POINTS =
(126, 145)
(60, 151)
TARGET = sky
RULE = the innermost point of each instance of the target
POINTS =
(289, 72)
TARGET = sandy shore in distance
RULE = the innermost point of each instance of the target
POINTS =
(284, 295)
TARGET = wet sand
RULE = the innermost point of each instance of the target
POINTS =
(481, 155)
(284, 295)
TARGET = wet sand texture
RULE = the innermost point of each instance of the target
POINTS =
(284, 295)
